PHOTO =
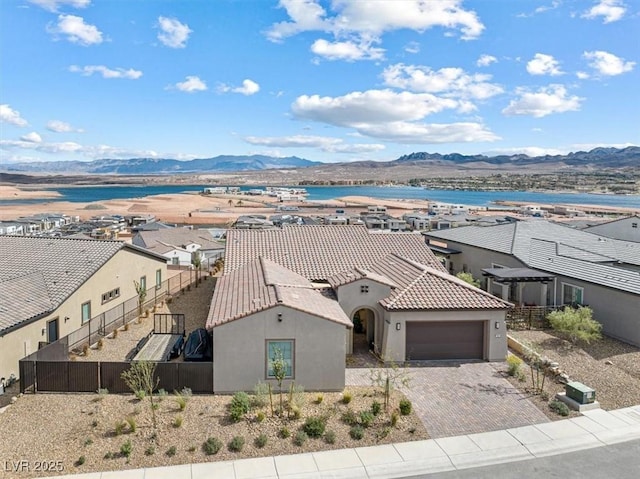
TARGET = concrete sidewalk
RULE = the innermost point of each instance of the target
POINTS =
(592, 429)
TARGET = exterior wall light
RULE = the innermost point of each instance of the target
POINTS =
(279, 317)
(398, 326)
(497, 324)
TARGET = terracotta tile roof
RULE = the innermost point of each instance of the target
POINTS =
(262, 284)
(355, 274)
(319, 252)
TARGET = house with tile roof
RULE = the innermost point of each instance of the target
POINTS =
(299, 289)
(558, 265)
(50, 287)
(179, 245)
(627, 228)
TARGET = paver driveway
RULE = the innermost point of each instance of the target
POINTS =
(455, 398)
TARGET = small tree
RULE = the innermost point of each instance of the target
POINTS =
(141, 377)
(141, 290)
(279, 370)
(577, 324)
(196, 261)
(239, 203)
(536, 366)
(468, 278)
(389, 377)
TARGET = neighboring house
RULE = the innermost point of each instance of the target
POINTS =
(49, 287)
(11, 228)
(179, 245)
(301, 287)
(627, 229)
(541, 263)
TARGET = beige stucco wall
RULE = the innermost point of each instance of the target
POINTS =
(495, 348)
(120, 271)
(239, 350)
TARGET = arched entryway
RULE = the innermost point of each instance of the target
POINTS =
(364, 333)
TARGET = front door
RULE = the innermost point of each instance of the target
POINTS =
(52, 330)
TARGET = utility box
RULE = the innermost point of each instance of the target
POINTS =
(580, 393)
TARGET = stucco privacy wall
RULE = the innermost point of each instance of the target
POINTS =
(495, 346)
(239, 350)
(119, 272)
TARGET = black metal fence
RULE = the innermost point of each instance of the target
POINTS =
(529, 317)
(38, 376)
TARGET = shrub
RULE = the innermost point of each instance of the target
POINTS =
(346, 398)
(394, 418)
(94, 423)
(314, 426)
(126, 449)
(171, 451)
(366, 418)
(236, 444)
(177, 422)
(349, 417)
(384, 432)
(119, 427)
(376, 407)
(513, 365)
(261, 441)
(126, 327)
(260, 394)
(405, 407)
(544, 395)
(301, 438)
(108, 455)
(85, 349)
(330, 437)
(356, 432)
(100, 344)
(102, 392)
(294, 412)
(162, 393)
(319, 399)
(260, 416)
(132, 423)
(577, 324)
(211, 446)
(88, 441)
(114, 334)
(285, 433)
(81, 460)
(468, 278)
(140, 394)
(296, 396)
(240, 405)
(559, 407)
(150, 451)
(181, 401)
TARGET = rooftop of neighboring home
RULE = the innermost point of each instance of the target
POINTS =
(557, 249)
(167, 239)
(318, 252)
(38, 274)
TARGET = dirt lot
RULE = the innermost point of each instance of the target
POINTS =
(609, 366)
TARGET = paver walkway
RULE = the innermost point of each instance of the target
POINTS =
(454, 398)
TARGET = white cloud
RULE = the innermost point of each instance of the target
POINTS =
(410, 133)
(106, 72)
(9, 115)
(486, 60)
(607, 63)
(347, 50)
(173, 33)
(32, 137)
(582, 75)
(452, 82)
(610, 10)
(543, 64)
(70, 147)
(412, 47)
(363, 23)
(527, 150)
(547, 100)
(327, 144)
(76, 30)
(52, 5)
(591, 146)
(541, 9)
(248, 88)
(58, 126)
(191, 84)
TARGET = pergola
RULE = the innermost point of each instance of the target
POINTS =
(519, 277)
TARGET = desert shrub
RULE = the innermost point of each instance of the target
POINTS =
(319, 399)
(559, 407)
(261, 441)
(314, 426)
(150, 451)
(366, 418)
(171, 451)
(577, 324)
(81, 460)
(260, 394)
(177, 422)
(126, 449)
(376, 407)
(211, 446)
(405, 407)
(131, 421)
(191, 449)
(114, 334)
(349, 417)
(284, 432)
(394, 418)
(300, 438)
(468, 278)
(109, 455)
(240, 405)
(296, 396)
(236, 444)
(544, 395)
(346, 398)
(384, 432)
(140, 394)
(119, 427)
(260, 416)
(182, 399)
(88, 441)
(102, 392)
(294, 412)
(162, 393)
(100, 344)
(330, 437)
(94, 423)
(513, 365)
(356, 432)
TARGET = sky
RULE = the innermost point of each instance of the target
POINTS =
(330, 81)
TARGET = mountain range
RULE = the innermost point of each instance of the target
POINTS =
(598, 157)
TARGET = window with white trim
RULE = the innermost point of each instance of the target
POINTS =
(86, 311)
(281, 348)
(572, 294)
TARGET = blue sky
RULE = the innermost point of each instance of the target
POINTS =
(339, 80)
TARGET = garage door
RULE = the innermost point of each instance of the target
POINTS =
(445, 340)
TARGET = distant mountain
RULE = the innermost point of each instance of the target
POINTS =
(161, 166)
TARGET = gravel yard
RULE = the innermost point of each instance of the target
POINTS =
(609, 366)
